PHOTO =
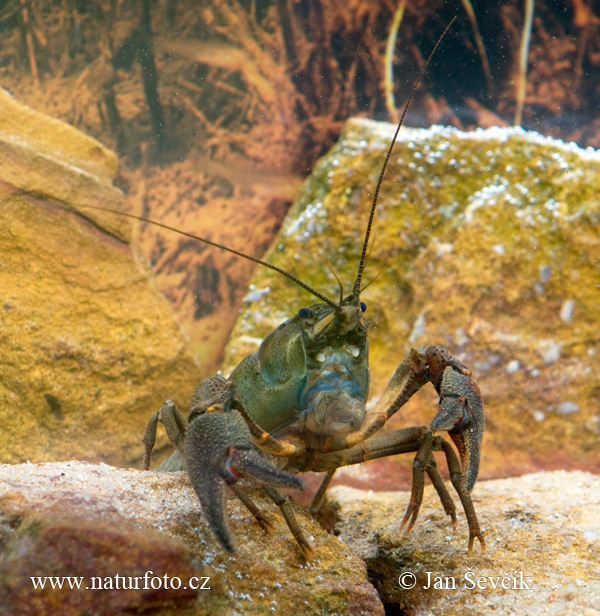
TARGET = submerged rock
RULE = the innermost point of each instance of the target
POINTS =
(88, 347)
(91, 523)
(485, 243)
(542, 555)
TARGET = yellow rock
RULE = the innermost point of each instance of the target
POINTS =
(485, 243)
(88, 347)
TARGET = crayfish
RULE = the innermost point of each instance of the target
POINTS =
(299, 404)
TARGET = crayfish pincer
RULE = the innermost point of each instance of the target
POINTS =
(218, 449)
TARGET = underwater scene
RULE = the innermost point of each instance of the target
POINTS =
(360, 362)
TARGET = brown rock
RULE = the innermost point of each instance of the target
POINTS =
(88, 347)
(97, 522)
(545, 525)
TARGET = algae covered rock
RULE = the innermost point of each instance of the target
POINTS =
(485, 243)
(84, 525)
(88, 347)
(542, 551)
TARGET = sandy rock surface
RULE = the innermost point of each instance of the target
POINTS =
(542, 534)
(94, 522)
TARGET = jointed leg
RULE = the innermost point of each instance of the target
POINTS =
(149, 439)
(424, 443)
(217, 394)
(458, 481)
(218, 450)
(440, 488)
(266, 442)
(261, 517)
(405, 440)
(399, 441)
(283, 502)
(409, 377)
(317, 499)
(175, 425)
(460, 411)
(418, 484)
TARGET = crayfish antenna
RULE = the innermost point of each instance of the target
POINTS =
(237, 253)
(363, 255)
(338, 281)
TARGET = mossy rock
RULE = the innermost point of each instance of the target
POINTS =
(485, 243)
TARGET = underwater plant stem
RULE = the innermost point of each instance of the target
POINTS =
(522, 77)
(479, 42)
(390, 103)
(150, 79)
(29, 41)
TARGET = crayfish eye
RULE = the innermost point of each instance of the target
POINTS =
(304, 313)
(363, 307)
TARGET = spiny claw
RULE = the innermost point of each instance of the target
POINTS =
(248, 463)
(461, 414)
(218, 449)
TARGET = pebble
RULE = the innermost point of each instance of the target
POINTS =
(566, 311)
(550, 351)
(545, 272)
(513, 366)
(566, 408)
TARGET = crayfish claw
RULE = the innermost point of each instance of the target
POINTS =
(203, 449)
(461, 414)
(248, 463)
(218, 450)
(213, 506)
